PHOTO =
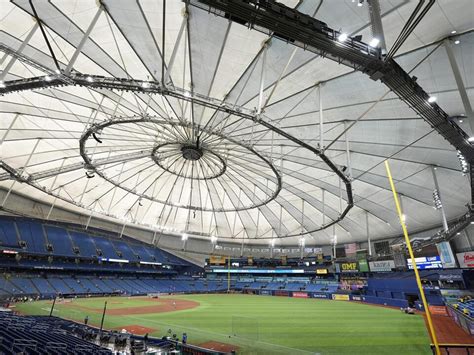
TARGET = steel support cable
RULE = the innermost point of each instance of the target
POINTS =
(409, 27)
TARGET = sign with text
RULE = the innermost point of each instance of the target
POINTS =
(382, 266)
(466, 260)
(426, 262)
(363, 266)
(348, 267)
(321, 271)
(350, 248)
(446, 254)
(337, 297)
(217, 260)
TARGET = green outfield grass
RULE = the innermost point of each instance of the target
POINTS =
(284, 325)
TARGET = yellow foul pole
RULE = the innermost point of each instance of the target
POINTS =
(228, 274)
(412, 256)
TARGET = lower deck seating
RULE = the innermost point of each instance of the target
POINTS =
(31, 335)
(466, 307)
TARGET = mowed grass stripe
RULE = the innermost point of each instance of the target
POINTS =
(309, 325)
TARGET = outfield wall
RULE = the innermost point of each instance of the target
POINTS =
(392, 302)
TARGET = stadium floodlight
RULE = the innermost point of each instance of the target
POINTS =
(432, 99)
(2, 84)
(453, 32)
(213, 239)
(437, 200)
(457, 41)
(342, 37)
(404, 217)
(57, 71)
(47, 78)
(360, 3)
(463, 162)
(471, 139)
(145, 85)
(272, 243)
(374, 42)
(184, 237)
(90, 79)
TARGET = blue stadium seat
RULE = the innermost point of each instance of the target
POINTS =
(8, 234)
(124, 248)
(60, 240)
(32, 233)
(84, 243)
(108, 250)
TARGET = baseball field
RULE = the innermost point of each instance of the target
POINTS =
(255, 324)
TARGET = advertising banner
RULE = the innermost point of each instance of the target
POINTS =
(349, 267)
(265, 292)
(382, 266)
(438, 310)
(281, 293)
(321, 271)
(426, 262)
(466, 260)
(363, 266)
(361, 254)
(350, 249)
(337, 297)
(300, 294)
(319, 295)
(217, 260)
(446, 254)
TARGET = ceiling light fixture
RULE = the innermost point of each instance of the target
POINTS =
(374, 42)
(47, 78)
(462, 162)
(470, 139)
(360, 3)
(2, 85)
(213, 239)
(184, 237)
(432, 99)
(457, 41)
(342, 37)
(90, 79)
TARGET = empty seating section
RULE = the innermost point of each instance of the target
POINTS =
(33, 335)
(74, 285)
(24, 284)
(32, 237)
(43, 286)
(32, 233)
(125, 250)
(60, 286)
(60, 240)
(106, 247)
(90, 285)
(145, 254)
(8, 235)
(84, 243)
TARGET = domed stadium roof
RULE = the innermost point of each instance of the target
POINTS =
(224, 140)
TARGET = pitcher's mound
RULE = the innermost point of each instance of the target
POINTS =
(215, 345)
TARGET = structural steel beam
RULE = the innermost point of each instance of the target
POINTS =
(289, 24)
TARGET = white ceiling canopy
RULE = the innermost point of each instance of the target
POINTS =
(233, 149)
